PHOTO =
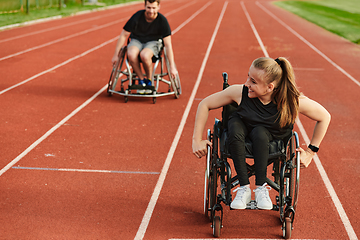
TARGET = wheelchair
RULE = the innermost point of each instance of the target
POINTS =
(219, 182)
(122, 73)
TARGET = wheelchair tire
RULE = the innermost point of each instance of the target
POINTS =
(289, 181)
(207, 209)
(175, 82)
(216, 226)
(111, 81)
(177, 86)
(287, 228)
(116, 71)
(214, 177)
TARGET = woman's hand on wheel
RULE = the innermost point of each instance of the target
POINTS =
(200, 147)
(305, 157)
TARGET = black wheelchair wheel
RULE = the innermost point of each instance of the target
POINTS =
(289, 185)
(211, 178)
(207, 208)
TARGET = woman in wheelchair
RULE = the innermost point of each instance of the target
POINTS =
(268, 104)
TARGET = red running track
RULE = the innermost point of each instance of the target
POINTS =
(77, 164)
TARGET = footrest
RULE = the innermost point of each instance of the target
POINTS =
(252, 206)
(140, 87)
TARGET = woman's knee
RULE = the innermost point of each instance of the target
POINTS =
(237, 130)
(260, 134)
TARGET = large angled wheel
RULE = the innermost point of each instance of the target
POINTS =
(175, 82)
(114, 76)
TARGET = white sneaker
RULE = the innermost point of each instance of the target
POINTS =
(243, 197)
(262, 197)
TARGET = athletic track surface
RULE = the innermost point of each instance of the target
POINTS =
(77, 164)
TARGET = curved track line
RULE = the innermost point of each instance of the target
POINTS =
(309, 44)
(151, 206)
(83, 170)
(345, 220)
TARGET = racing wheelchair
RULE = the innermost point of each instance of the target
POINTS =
(219, 182)
(122, 73)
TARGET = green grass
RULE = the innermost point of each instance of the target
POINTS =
(71, 7)
(341, 17)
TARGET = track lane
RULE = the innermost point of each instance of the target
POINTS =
(75, 40)
(315, 188)
(185, 214)
(338, 100)
(69, 82)
(63, 142)
(187, 219)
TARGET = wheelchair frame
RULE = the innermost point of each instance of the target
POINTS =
(219, 182)
(132, 90)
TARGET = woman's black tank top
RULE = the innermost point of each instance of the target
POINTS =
(254, 113)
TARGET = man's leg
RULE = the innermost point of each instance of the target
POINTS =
(146, 58)
(133, 56)
(150, 49)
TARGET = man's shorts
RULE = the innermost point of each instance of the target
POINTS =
(155, 46)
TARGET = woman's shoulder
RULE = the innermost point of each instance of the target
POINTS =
(235, 92)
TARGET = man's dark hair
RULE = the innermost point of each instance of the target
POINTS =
(151, 1)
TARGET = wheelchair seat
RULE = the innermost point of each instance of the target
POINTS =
(276, 147)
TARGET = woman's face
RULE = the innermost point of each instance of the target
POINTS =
(256, 83)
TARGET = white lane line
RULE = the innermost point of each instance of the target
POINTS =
(340, 209)
(309, 44)
(348, 227)
(59, 17)
(62, 39)
(59, 65)
(81, 33)
(254, 30)
(48, 133)
(54, 28)
(228, 239)
(151, 206)
(83, 170)
(87, 52)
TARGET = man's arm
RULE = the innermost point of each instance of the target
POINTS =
(120, 43)
(170, 55)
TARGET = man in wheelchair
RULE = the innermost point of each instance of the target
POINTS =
(145, 28)
(268, 104)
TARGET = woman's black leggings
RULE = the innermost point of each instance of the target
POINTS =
(260, 138)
